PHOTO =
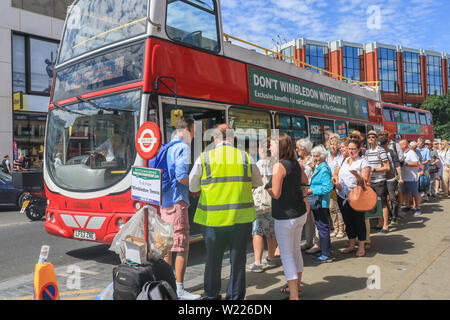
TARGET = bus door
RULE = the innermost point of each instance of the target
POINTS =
(320, 130)
(206, 116)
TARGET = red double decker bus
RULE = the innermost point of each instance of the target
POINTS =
(123, 63)
(406, 122)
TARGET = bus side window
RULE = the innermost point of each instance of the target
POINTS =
(412, 117)
(387, 114)
(429, 120)
(423, 118)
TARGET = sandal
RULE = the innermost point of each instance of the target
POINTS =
(360, 254)
(285, 289)
(348, 250)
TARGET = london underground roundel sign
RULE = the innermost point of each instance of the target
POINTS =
(148, 140)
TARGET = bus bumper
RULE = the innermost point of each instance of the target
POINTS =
(100, 227)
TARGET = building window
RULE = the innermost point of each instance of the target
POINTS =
(33, 64)
(288, 52)
(317, 56)
(387, 66)
(353, 63)
(413, 81)
(434, 75)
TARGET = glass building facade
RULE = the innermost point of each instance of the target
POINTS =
(353, 63)
(289, 52)
(387, 66)
(317, 56)
(412, 74)
(434, 75)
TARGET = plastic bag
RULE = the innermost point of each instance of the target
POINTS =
(160, 234)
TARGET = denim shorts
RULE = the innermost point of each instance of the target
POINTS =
(264, 225)
(410, 187)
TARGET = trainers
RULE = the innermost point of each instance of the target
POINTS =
(333, 234)
(255, 268)
(269, 263)
(383, 231)
(313, 249)
(184, 295)
(394, 222)
(417, 213)
(323, 259)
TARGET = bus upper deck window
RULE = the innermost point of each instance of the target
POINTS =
(193, 22)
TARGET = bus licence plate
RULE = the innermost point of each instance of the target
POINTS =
(24, 206)
(83, 234)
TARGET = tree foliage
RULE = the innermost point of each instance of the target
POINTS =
(439, 106)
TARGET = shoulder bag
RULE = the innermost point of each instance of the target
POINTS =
(362, 198)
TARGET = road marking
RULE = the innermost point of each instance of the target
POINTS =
(66, 293)
(398, 289)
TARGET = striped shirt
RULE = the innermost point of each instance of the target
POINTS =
(376, 158)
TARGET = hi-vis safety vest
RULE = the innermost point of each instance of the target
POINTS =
(226, 195)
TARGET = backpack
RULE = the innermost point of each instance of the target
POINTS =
(160, 162)
(129, 279)
(424, 183)
(157, 290)
(391, 174)
(4, 168)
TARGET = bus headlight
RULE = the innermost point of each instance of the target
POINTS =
(137, 205)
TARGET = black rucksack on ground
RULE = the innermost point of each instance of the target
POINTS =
(129, 279)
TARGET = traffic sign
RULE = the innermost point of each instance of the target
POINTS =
(148, 140)
(49, 292)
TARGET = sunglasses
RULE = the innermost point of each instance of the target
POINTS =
(371, 137)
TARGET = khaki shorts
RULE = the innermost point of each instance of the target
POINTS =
(177, 215)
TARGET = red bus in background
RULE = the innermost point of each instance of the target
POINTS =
(406, 122)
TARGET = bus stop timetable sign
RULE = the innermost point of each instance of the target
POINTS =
(148, 140)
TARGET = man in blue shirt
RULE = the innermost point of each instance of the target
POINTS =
(426, 158)
(175, 202)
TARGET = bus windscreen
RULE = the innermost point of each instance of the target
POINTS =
(94, 24)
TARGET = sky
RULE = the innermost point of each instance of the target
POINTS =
(417, 24)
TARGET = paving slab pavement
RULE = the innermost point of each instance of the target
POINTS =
(410, 262)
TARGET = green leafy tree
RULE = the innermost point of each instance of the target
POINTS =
(439, 106)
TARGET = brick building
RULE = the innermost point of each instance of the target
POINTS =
(406, 75)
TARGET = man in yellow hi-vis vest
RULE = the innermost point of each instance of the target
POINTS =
(225, 177)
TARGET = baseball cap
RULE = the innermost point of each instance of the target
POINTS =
(427, 141)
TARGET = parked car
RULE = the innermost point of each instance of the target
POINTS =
(9, 196)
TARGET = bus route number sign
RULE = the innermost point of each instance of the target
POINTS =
(148, 140)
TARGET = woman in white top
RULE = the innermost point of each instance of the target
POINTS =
(264, 223)
(306, 162)
(354, 170)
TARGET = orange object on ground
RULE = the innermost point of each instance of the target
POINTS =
(45, 285)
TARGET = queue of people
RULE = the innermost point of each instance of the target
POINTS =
(294, 189)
